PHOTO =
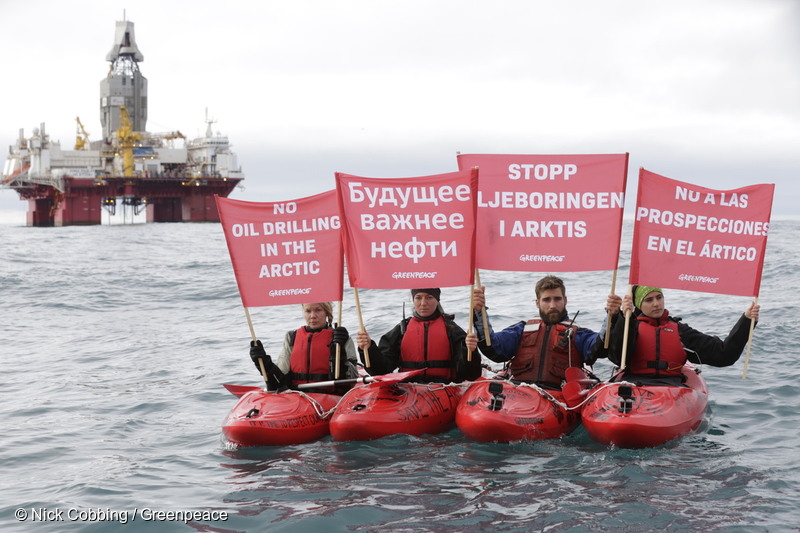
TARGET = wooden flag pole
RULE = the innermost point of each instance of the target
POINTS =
(338, 347)
(471, 314)
(250, 323)
(483, 313)
(623, 362)
(253, 335)
(608, 321)
(749, 341)
(361, 325)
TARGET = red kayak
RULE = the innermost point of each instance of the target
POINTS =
(501, 411)
(278, 418)
(381, 409)
(631, 416)
(263, 418)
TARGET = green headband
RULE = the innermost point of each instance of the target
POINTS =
(641, 292)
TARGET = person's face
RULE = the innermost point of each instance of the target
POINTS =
(653, 304)
(425, 304)
(315, 315)
(551, 304)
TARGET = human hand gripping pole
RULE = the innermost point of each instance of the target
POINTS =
(338, 346)
(753, 312)
(484, 315)
(469, 324)
(260, 358)
(339, 353)
(361, 325)
(628, 312)
(610, 314)
(477, 304)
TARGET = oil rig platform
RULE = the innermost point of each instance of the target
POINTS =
(172, 178)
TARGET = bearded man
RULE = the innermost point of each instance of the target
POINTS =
(540, 350)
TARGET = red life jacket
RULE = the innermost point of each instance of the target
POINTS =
(310, 359)
(426, 345)
(658, 351)
(540, 358)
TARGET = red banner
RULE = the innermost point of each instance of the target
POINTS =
(285, 252)
(409, 232)
(697, 239)
(549, 213)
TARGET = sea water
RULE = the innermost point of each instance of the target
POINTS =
(115, 341)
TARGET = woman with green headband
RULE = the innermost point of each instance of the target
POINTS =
(659, 344)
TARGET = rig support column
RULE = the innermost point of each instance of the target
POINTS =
(39, 213)
(83, 209)
(199, 207)
(164, 210)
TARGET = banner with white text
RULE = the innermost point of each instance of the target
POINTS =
(697, 239)
(285, 252)
(549, 213)
(402, 233)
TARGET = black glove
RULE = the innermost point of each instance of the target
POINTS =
(340, 336)
(257, 354)
(276, 379)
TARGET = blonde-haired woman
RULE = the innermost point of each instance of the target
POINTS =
(309, 352)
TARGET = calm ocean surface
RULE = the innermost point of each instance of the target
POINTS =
(115, 342)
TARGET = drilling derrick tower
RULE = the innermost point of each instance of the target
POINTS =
(141, 169)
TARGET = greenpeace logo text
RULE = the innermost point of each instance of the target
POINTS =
(288, 292)
(525, 258)
(698, 279)
(414, 275)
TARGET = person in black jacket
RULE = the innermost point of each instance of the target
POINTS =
(428, 340)
(659, 345)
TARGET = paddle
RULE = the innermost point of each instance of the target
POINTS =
(577, 386)
(394, 377)
(578, 375)
(574, 393)
(240, 390)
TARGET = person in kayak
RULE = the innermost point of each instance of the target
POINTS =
(429, 340)
(540, 350)
(309, 353)
(659, 344)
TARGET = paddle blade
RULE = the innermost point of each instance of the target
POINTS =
(573, 373)
(396, 377)
(240, 390)
(574, 393)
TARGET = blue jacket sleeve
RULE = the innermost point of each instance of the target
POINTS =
(504, 343)
(585, 340)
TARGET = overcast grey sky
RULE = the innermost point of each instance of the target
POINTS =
(699, 91)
